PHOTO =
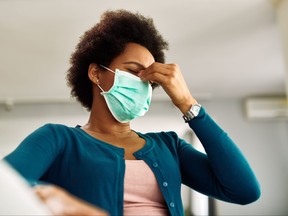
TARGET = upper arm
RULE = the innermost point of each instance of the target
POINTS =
(196, 170)
(35, 153)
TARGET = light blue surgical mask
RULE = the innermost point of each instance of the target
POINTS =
(129, 97)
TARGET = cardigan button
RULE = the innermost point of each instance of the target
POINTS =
(139, 153)
(155, 164)
(172, 205)
(165, 184)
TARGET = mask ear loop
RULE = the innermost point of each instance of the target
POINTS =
(100, 87)
(107, 68)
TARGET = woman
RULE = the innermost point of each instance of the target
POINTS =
(105, 162)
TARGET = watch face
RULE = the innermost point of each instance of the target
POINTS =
(195, 109)
(193, 112)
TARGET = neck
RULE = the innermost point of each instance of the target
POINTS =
(97, 125)
(102, 121)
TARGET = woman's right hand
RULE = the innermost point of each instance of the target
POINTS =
(170, 77)
(60, 202)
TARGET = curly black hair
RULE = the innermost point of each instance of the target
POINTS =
(107, 40)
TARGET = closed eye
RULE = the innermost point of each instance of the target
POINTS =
(134, 67)
(134, 72)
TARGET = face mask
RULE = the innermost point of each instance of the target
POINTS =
(129, 97)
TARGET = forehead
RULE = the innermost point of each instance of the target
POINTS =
(135, 53)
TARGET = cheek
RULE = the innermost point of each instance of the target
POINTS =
(107, 82)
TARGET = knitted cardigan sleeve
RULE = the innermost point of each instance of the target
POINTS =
(223, 172)
(36, 153)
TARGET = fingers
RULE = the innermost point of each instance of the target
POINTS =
(160, 73)
(169, 76)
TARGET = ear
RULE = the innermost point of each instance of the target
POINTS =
(94, 72)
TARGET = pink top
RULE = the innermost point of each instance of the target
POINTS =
(142, 195)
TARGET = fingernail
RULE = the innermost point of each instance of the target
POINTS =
(140, 73)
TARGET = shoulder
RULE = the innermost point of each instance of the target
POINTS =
(160, 134)
(52, 132)
(51, 127)
(169, 138)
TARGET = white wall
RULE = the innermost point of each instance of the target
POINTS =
(264, 143)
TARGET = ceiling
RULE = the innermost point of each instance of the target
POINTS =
(226, 49)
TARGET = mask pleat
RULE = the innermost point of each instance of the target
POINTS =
(129, 97)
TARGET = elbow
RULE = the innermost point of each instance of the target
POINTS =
(245, 194)
(251, 195)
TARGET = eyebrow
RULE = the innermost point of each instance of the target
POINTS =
(136, 63)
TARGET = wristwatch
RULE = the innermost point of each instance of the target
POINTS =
(192, 113)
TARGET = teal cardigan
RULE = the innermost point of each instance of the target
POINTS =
(94, 170)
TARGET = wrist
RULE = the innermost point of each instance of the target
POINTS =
(192, 113)
(186, 105)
